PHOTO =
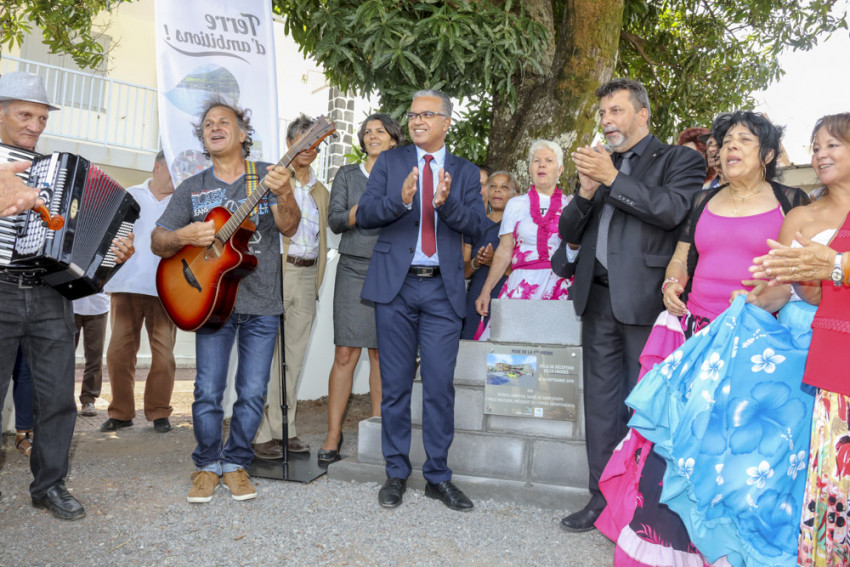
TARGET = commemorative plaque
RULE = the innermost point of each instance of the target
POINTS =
(537, 382)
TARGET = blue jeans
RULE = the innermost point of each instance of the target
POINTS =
(256, 336)
(22, 393)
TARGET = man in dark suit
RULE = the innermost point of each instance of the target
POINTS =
(621, 229)
(423, 199)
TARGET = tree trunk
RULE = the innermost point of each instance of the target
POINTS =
(559, 105)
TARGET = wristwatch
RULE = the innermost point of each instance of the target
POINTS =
(837, 272)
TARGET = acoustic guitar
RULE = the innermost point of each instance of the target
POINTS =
(198, 285)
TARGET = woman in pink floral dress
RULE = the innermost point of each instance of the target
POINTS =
(529, 235)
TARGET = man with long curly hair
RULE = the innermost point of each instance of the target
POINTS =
(225, 132)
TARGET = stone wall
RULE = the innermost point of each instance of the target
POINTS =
(341, 111)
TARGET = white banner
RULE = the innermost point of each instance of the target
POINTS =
(214, 47)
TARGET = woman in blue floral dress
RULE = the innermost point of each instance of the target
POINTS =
(728, 415)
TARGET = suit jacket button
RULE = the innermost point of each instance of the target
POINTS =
(411, 250)
(416, 223)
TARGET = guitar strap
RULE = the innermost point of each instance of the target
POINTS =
(251, 181)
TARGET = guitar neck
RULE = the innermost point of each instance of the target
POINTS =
(244, 210)
(321, 129)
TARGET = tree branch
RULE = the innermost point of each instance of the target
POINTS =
(637, 43)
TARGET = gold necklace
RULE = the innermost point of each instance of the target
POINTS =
(743, 199)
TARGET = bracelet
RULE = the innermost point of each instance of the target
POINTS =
(667, 282)
(472, 263)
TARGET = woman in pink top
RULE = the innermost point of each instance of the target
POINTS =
(727, 227)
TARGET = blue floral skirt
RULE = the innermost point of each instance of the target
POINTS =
(729, 415)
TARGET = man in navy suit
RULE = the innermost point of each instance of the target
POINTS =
(622, 227)
(423, 199)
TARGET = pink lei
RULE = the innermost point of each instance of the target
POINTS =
(547, 224)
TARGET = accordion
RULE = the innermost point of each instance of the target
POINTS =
(76, 259)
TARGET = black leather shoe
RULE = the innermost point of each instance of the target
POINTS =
(332, 455)
(58, 500)
(581, 521)
(115, 424)
(450, 495)
(161, 425)
(392, 493)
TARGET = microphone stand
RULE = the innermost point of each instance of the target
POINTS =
(304, 467)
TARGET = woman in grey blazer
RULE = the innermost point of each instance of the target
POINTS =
(354, 318)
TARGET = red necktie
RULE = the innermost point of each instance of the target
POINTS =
(429, 241)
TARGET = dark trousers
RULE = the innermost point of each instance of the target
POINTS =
(419, 315)
(93, 330)
(42, 322)
(611, 352)
(22, 393)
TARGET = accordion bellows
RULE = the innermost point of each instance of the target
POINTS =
(76, 259)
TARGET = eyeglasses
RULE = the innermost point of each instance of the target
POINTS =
(427, 115)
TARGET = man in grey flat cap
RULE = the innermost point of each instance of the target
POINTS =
(37, 318)
(21, 122)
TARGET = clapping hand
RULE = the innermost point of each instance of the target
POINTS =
(444, 182)
(408, 188)
(595, 163)
(587, 186)
(484, 256)
(784, 264)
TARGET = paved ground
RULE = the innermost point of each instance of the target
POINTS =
(133, 484)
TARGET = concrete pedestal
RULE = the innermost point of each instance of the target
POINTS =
(519, 459)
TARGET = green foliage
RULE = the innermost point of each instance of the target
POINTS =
(67, 26)
(396, 47)
(469, 136)
(357, 155)
(698, 58)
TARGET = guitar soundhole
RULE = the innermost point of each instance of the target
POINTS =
(190, 277)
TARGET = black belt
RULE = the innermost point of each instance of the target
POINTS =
(305, 262)
(601, 279)
(424, 271)
(23, 280)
